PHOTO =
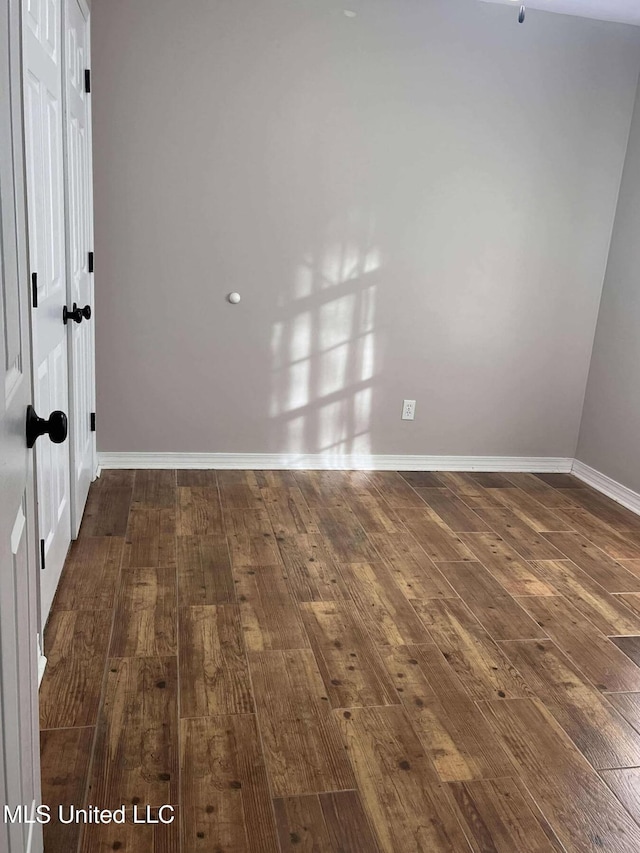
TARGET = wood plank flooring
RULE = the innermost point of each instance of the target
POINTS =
(347, 662)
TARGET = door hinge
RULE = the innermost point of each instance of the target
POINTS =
(34, 289)
(42, 566)
(93, 421)
(87, 80)
(90, 261)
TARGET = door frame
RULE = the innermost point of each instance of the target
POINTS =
(26, 523)
(76, 518)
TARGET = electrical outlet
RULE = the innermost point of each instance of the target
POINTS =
(408, 410)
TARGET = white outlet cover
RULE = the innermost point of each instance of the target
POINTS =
(408, 410)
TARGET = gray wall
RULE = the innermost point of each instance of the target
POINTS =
(610, 431)
(416, 202)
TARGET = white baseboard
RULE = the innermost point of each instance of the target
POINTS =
(348, 462)
(611, 488)
(320, 461)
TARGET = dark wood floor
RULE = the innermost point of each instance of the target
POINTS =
(337, 661)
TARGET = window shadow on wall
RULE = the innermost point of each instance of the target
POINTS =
(323, 346)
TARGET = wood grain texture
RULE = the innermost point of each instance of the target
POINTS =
(214, 675)
(407, 806)
(600, 733)
(395, 489)
(500, 816)
(417, 576)
(311, 572)
(630, 646)
(151, 538)
(136, 752)
(301, 825)
(239, 490)
(561, 481)
(545, 494)
(499, 614)
(605, 509)
(475, 657)
(524, 539)
(488, 480)
(376, 515)
(346, 820)
(270, 615)
(325, 823)
(628, 704)
(580, 808)
(632, 566)
(76, 643)
(619, 545)
(462, 483)
(64, 768)
(204, 571)
(386, 613)
(454, 512)
(344, 535)
(434, 536)
(625, 784)
(421, 479)
(590, 650)
(603, 569)
(467, 487)
(251, 538)
(531, 511)
(606, 611)
(350, 666)
(303, 751)
(275, 479)
(288, 511)
(145, 621)
(107, 509)
(432, 656)
(199, 511)
(225, 791)
(506, 565)
(204, 478)
(321, 488)
(450, 726)
(90, 577)
(630, 600)
(154, 490)
(134, 838)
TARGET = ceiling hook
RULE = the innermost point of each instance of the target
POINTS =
(522, 14)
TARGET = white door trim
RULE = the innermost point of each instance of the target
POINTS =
(79, 241)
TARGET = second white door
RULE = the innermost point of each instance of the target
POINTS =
(79, 253)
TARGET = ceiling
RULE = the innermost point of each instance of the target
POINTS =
(622, 11)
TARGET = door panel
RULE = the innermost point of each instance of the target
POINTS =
(45, 187)
(79, 244)
(19, 750)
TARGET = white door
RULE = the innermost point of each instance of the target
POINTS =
(78, 185)
(42, 31)
(19, 750)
